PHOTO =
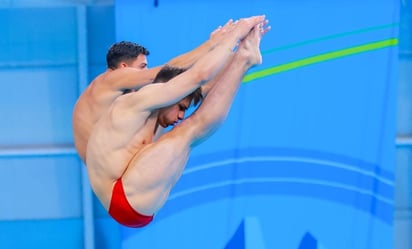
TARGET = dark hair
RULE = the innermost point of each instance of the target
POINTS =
(167, 73)
(123, 51)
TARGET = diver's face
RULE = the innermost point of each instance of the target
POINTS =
(140, 62)
(171, 115)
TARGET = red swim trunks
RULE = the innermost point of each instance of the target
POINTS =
(121, 210)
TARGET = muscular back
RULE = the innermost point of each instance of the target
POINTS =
(90, 106)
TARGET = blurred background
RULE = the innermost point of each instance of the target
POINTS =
(316, 152)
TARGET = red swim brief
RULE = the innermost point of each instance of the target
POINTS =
(121, 210)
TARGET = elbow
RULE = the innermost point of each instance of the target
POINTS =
(204, 74)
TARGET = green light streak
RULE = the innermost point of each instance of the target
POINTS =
(330, 37)
(321, 58)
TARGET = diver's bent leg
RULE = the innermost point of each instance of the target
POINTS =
(154, 170)
(216, 105)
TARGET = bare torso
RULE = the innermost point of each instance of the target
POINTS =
(95, 100)
(109, 159)
(113, 149)
(98, 97)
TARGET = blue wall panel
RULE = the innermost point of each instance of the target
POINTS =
(34, 234)
(40, 200)
(38, 58)
(100, 36)
(38, 35)
(39, 105)
(40, 188)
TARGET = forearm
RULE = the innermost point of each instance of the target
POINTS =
(215, 60)
(130, 78)
(215, 106)
(210, 84)
(203, 71)
(165, 94)
(186, 60)
(238, 62)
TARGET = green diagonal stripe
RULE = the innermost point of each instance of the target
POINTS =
(321, 58)
(331, 37)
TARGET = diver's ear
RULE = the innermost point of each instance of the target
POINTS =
(123, 64)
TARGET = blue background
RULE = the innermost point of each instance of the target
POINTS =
(51, 49)
(303, 150)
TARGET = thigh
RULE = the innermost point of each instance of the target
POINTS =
(155, 169)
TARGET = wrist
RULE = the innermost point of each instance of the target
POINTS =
(232, 43)
(210, 44)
